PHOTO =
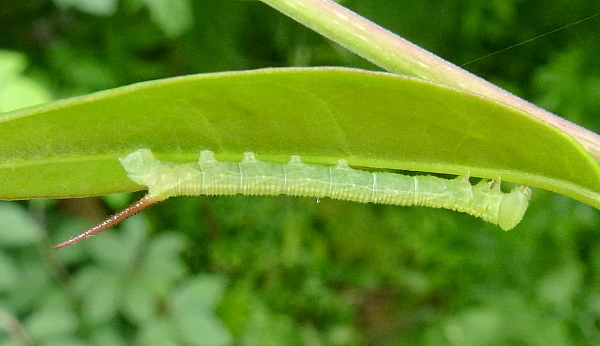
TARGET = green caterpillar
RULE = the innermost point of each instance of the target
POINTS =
(253, 177)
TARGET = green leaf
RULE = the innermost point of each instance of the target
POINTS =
(174, 17)
(100, 290)
(9, 273)
(17, 227)
(18, 91)
(202, 328)
(192, 306)
(51, 323)
(12, 64)
(376, 120)
(94, 7)
(204, 292)
(158, 332)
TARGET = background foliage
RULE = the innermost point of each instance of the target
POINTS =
(249, 271)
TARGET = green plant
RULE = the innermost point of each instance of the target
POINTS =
(398, 123)
(300, 276)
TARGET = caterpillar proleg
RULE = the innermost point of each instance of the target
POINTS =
(295, 178)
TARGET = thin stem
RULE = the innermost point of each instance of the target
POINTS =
(133, 209)
(398, 55)
(12, 326)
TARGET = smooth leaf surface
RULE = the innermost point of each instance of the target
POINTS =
(374, 120)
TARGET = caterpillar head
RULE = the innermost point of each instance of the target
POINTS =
(513, 207)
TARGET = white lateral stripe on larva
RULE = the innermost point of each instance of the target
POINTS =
(254, 177)
(416, 191)
(374, 187)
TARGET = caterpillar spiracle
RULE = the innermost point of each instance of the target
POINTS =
(253, 177)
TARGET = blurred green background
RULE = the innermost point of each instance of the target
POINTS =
(294, 271)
